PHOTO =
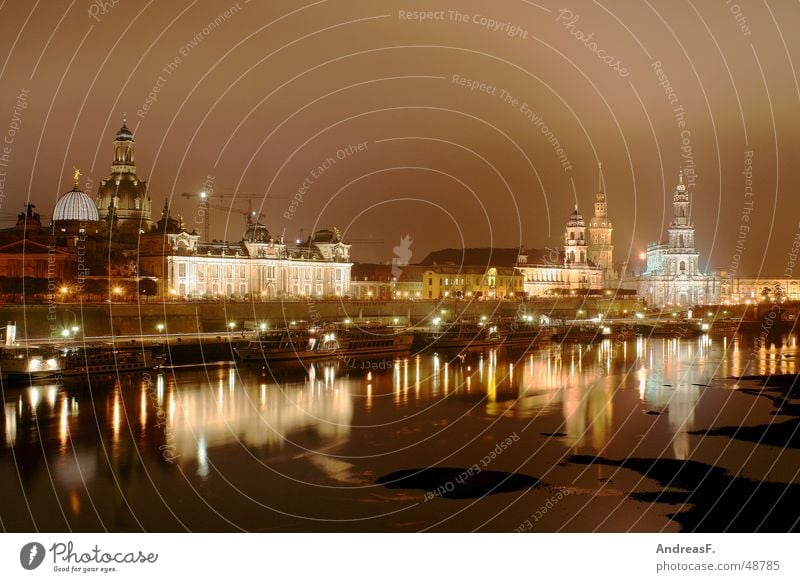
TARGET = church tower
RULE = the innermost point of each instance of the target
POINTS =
(680, 258)
(122, 197)
(575, 240)
(600, 247)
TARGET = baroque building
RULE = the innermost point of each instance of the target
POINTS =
(122, 198)
(672, 276)
(29, 250)
(259, 267)
(550, 270)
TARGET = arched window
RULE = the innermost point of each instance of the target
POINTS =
(683, 266)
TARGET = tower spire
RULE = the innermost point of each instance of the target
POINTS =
(599, 176)
(76, 176)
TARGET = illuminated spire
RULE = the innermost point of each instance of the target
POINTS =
(76, 176)
(599, 176)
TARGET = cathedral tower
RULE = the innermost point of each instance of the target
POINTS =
(575, 240)
(681, 257)
(600, 248)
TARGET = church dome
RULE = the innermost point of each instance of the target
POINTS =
(124, 134)
(576, 218)
(75, 205)
(257, 233)
(326, 236)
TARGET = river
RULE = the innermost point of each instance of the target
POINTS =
(645, 435)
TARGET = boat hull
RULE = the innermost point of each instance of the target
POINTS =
(256, 353)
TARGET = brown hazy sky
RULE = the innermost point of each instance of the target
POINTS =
(263, 96)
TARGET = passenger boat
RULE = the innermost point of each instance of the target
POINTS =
(723, 327)
(671, 329)
(580, 333)
(31, 364)
(525, 335)
(28, 363)
(321, 343)
(462, 336)
(110, 359)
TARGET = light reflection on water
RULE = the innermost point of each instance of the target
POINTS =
(186, 415)
(226, 405)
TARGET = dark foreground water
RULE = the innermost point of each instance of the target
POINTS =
(648, 435)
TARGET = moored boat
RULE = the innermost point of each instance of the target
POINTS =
(321, 343)
(28, 363)
(108, 359)
(32, 364)
(526, 335)
(459, 337)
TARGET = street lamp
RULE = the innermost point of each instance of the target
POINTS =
(160, 327)
(231, 324)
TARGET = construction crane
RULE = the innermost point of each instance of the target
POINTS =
(204, 197)
(250, 216)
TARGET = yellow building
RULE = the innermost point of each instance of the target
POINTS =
(472, 272)
(470, 281)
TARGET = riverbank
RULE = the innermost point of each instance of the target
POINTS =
(120, 319)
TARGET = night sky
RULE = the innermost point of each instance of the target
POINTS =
(259, 95)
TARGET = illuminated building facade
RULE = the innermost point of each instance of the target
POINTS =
(673, 276)
(549, 270)
(259, 267)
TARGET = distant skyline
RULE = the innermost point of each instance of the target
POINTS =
(480, 125)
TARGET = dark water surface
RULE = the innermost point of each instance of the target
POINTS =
(574, 438)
